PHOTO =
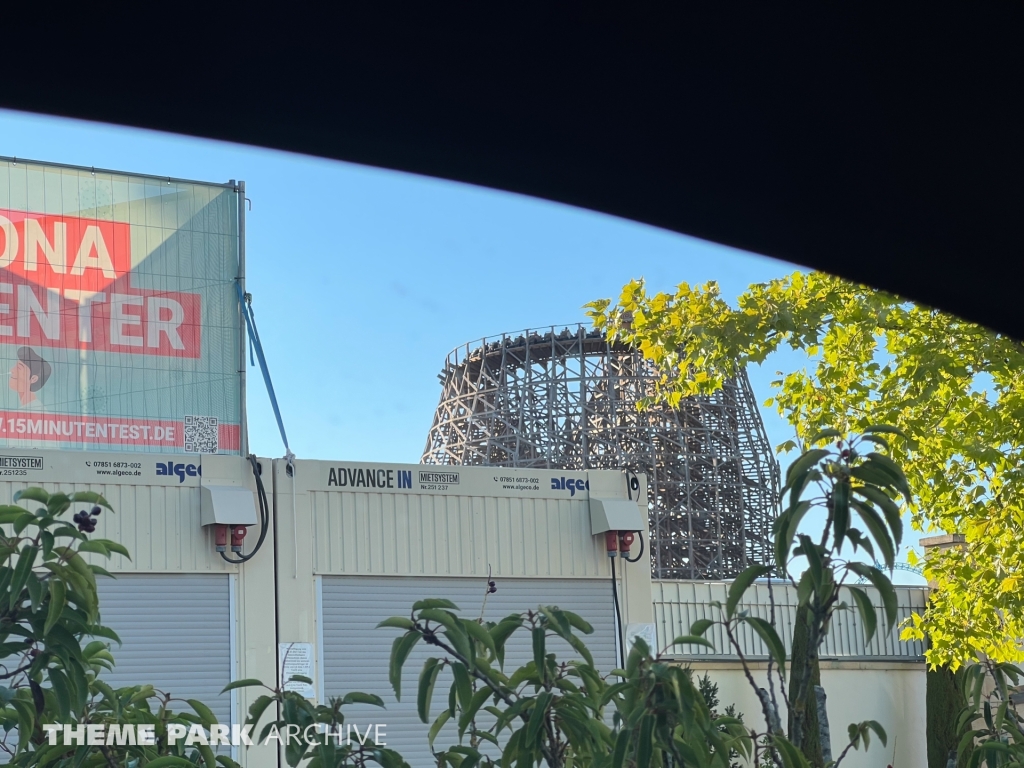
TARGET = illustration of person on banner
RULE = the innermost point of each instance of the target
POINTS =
(27, 377)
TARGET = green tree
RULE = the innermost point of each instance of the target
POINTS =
(954, 388)
(557, 712)
(709, 691)
(944, 703)
(991, 729)
(319, 740)
(855, 484)
(53, 649)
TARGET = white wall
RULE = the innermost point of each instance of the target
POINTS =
(893, 693)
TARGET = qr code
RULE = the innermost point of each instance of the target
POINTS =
(202, 434)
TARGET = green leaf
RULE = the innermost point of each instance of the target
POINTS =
(840, 511)
(539, 650)
(469, 712)
(805, 462)
(32, 494)
(26, 559)
(258, 707)
(510, 713)
(57, 603)
(400, 650)
(90, 497)
(885, 429)
(9, 513)
(207, 753)
(559, 624)
(888, 506)
(891, 467)
(94, 545)
(448, 620)
(876, 440)
(80, 687)
(867, 612)
(771, 639)
(875, 726)
(59, 684)
(26, 714)
(480, 634)
(114, 546)
(443, 718)
(57, 503)
(699, 627)
(96, 630)
(167, 761)
(434, 602)
(512, 750)
(877, 529)
(815, 560)
(577, 622)
(35, 590)
(537, 713)
(872, 474)
(692, 640)
(645, 742)
(245, 683)
(428, 677)
(357, 697)
(501, 632)
(791, 756)
(206, 716)
(741, 584)
(463, 686)
(784, 538)
(621, 746)
(884, 587)
(461, 645)
(825, 434)
(399, 622)
(108, 693)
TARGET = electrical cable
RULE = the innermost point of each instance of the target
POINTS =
(261, 495)
(633, 484)
(640, 554)
(618, 619)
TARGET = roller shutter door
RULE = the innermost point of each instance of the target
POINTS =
(176, 634)
(355, 655)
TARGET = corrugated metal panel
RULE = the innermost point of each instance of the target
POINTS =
(159, 525)
(355, 655)
(175, 632)
(677, 604)
(411, 534)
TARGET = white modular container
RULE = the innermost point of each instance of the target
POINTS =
(359, 542)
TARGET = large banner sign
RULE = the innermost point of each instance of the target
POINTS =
(119, 321)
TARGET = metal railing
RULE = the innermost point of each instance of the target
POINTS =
(678, 604)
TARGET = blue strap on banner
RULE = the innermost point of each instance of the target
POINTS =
(254, 341)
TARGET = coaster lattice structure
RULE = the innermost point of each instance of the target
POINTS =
(568, 400)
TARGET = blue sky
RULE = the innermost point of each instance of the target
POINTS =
(364, 279)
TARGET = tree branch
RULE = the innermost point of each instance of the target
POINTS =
(753, 684)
